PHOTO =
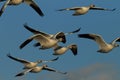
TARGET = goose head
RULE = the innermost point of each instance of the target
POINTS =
(92, 6)
(116, 45)
(61, 37)
(62, 40)
(45, 66)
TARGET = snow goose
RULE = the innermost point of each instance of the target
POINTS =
(38, 69)
(31, 3)
(59, 50)
(103, 46)
(28, 64)
(44, 41)
(49, 35)
(85, 9)
(57, 36)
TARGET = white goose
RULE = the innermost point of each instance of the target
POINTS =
(85, 9)
(45, 42)
(31, 3)
(28, 64)
(103, 46)
(38, 69)
(49, 35)
(59, 50)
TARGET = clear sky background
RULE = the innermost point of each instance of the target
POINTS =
(87, 65)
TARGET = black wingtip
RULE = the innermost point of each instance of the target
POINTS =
(37, 9)
(65, 73)
(79, 35)
(55, 59)
(25, 43)
(114, 9)
(26, 26)
(83, 35)
(42, 15)
(20, 74)
(21, 46)
(77, 30)
(8, 55)
(74, 50)
(30, 29)
(60, 10)
(111, 9)
(1, 13)
(36, 44)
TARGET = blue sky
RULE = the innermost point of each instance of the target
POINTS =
(13, 34)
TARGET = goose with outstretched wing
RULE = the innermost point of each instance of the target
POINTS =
(45, 42)
(38, 69)
(84, 9)
(31, 3)
(29, 64)
(57, 35)
(104, 47)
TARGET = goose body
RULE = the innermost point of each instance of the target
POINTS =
(104, 47)
(31, 3)
(59, 50)
(44, 41)
(83, 10)
(58, 35)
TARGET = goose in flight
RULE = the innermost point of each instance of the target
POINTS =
(28, 64)
(38, 69)
(59, 50)
(83, 10)
(31, 3)
(49, 35)
(104, 47)
(44, 41)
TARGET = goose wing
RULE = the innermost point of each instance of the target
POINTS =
(36, 44)
(100, 41)
(99, 8)
(74, 49)
(18, 59)
(23, 72)
(40, 38)
(32, 4)
(116, 40)
(75, 31)
(73, 8)
(26, 42)
(4, 6)
(53, 70)
(36, 31)
(51, 60)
